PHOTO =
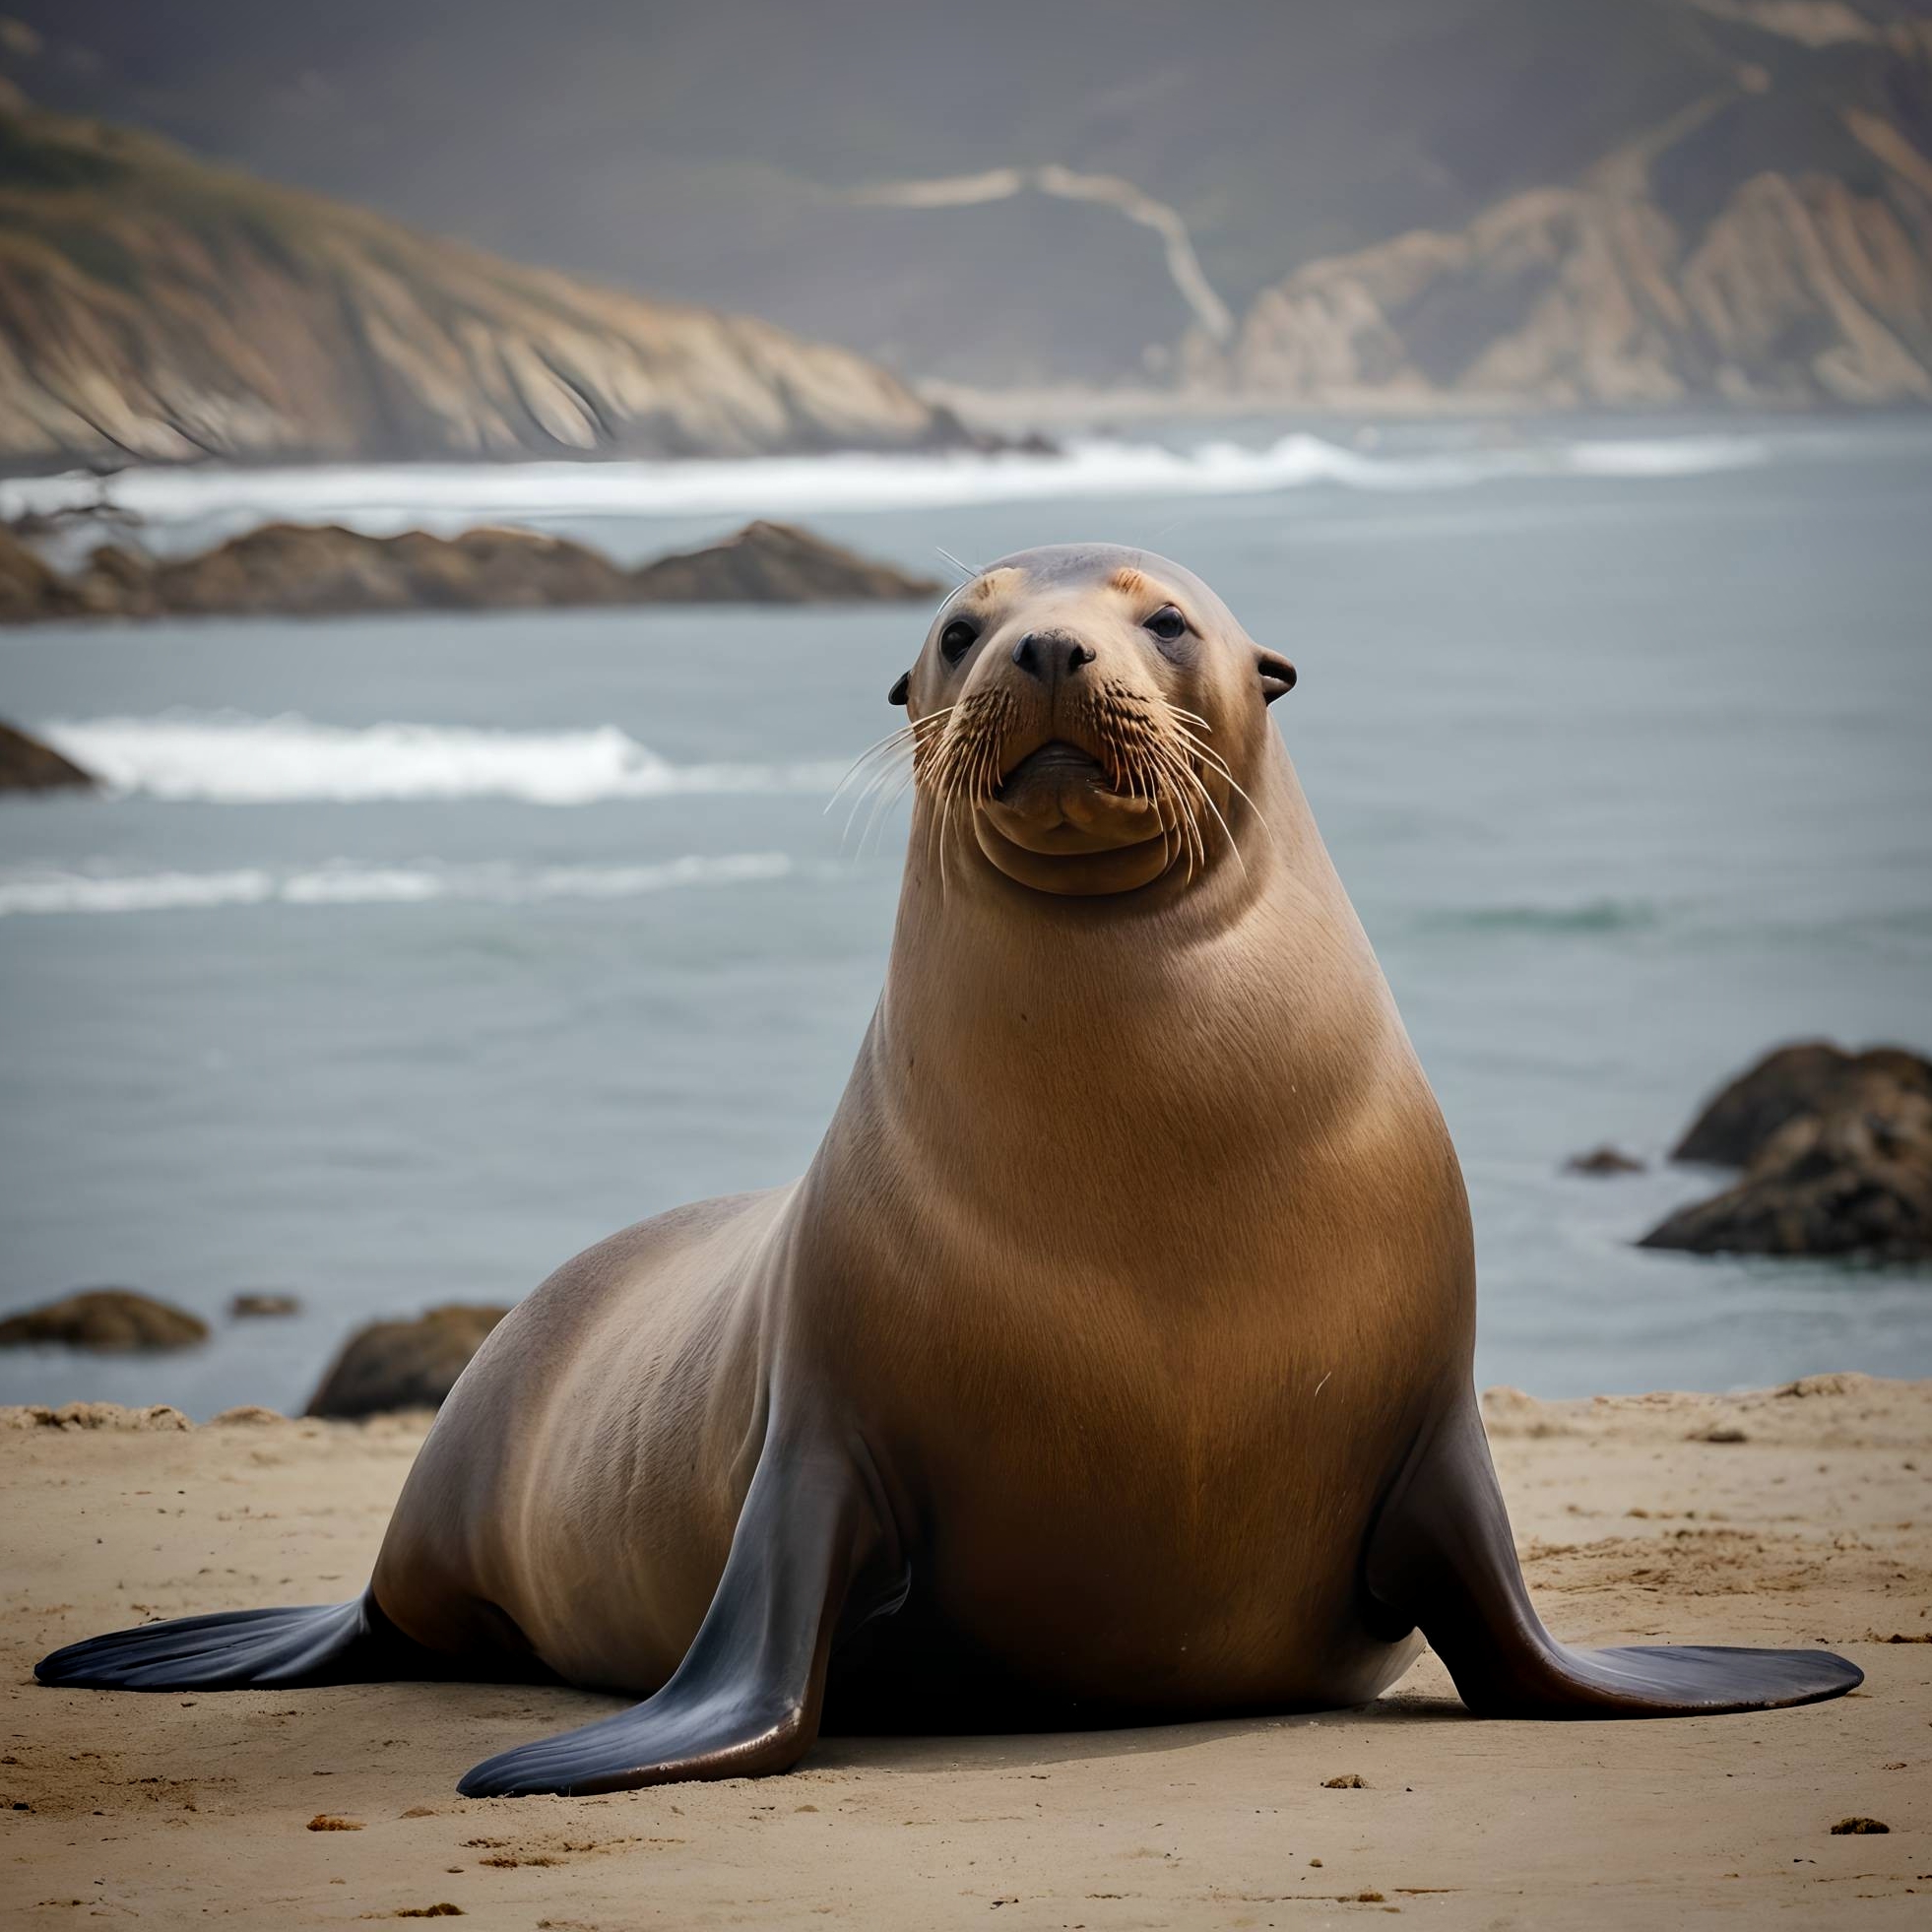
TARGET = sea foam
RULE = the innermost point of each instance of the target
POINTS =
(44, 890)
(232, 758)
(382, 499)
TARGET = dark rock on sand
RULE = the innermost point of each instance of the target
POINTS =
(111, 1320)
(1603, 1160)
(1811, 1077)
(263, 1301)
(27, 766)
(1839, 1153)
(307, 570)
(775, 563)
(404, 1365)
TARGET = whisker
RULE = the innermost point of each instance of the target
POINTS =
(1193, 778)
(1188, 777)
(1233, 783)
(962, 768)
(1206, 752)
(1147, 786)
(875, 784)
(1214, 759)
(1164, 799)
(1193, 817)
(885, 747)
(882, 757)
(1227, 832)
(1206, 755)
(945, 830)
(882, 806)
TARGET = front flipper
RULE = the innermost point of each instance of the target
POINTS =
(745, 1699)
(247, 1649)
(1441, 1559)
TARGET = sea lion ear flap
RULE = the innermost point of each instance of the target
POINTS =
(1277, 675)
(897, 694)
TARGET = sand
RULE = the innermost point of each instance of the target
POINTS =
(1796, 1517)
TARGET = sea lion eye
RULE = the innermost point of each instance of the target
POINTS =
(957, 640)
(1167, 623)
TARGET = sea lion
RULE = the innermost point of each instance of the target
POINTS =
(1114, 1355)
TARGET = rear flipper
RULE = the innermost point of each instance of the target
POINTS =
(1440, 1558)
(239, 1650)
(807, 1563)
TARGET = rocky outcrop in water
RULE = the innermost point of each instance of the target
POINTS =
(301, 570)
(1836, 1152)
(27, 766)
(404, 1365)
(263, 1304)
(31, 589)
(1603, 1162)
(1810, 1077)
(775, 563)
(154, 306)
(305, 571)
(109, 1321)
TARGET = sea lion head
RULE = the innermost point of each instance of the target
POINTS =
(1087, 719)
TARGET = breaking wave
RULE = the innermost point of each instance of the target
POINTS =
(230, 759)
(345, 883)
(381, 500)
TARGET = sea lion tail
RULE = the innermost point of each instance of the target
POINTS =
(1440, 1558)
(349, 1642)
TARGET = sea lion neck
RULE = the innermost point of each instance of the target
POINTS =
(1175, 1019)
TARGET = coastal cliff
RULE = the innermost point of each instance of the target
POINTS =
(1411, 204)
(1635, 288)
(157, 308)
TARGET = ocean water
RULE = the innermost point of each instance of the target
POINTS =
(407, 957)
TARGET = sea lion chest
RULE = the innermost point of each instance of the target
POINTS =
(1141, 1362)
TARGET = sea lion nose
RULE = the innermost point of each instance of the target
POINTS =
(1049, 655)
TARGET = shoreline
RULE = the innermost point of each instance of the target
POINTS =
(1796, 1515)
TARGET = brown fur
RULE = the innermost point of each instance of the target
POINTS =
(1112, 1354)
(1134, 1253)
(984, 589)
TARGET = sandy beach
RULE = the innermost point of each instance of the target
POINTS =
(1798, 1516)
